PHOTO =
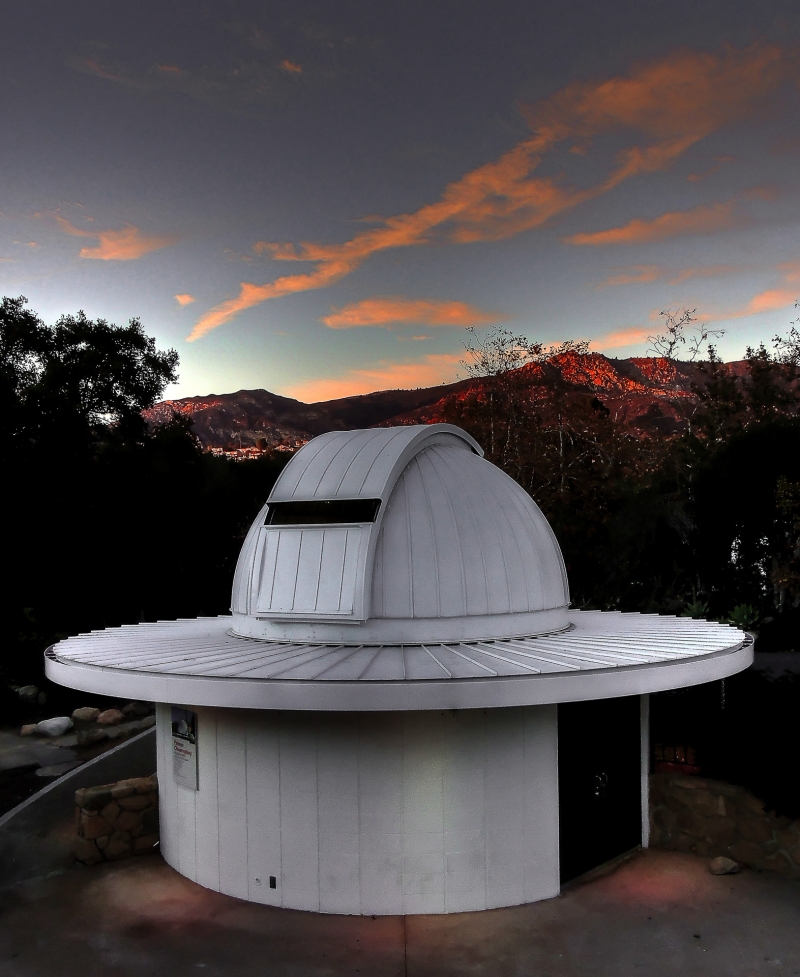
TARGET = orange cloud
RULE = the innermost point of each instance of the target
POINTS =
(705, 219)
(123, 245)
(621, 337)
(638, 274)
(767, 301)
(668, 105)
(720, 162)
(384, 310)
(292, 67)
(184, 298)
(770, 300)
(635, 275)
(433, 369)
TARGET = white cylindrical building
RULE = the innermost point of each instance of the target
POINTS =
(402, 714)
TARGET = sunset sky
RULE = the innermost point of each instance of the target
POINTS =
(317, 198)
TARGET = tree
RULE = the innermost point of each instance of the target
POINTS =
(676, 336)
(107, 521)
(79, 380)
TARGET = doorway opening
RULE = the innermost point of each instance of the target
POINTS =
(599, 782)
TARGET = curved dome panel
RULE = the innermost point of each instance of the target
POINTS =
(398, 534)
(461, 538)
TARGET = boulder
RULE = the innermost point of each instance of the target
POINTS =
(85, 714)
(27, 693)
(56, 726)
(723, 866)
(111, 717)
(28, 729)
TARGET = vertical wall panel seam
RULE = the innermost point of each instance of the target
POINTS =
(558, 799)
(279, 728)
(443, 723)
(319, 570)
(316, 784)
(359, 717)
(216, 768)
(644, 733)
(403, 722)
(246, 738)
(486, 833)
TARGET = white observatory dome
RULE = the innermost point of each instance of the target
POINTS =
(377, 725)
(398, 534)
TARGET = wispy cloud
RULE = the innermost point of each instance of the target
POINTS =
(386, 310)
(642, 274)
(704, 219)
(428, 372)
(720, 161)
(621, 337)
(771, 299)
(669, 105)
(184, 298)
(126, 244)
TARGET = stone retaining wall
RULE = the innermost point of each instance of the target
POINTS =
(114, 821)
(710, 818)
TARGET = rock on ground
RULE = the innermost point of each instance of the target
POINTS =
(111, 717)
(56, 726)
(723, 866)
(85, 714)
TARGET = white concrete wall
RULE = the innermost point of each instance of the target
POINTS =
(370, 813)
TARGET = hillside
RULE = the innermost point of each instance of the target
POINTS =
(638, 392)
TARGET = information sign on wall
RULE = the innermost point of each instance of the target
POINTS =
(184, 747)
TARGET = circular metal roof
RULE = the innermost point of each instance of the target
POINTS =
(397, 569)
(202, 662)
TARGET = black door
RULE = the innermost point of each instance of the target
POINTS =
(599, 782)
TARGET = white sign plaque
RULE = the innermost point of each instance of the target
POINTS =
(184, 747)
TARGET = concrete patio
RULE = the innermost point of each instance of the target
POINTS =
(660, 913)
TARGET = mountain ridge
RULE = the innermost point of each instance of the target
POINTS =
(639, 392)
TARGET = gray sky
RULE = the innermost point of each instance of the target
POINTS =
(317, 198)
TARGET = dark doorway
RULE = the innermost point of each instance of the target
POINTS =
(599, 782)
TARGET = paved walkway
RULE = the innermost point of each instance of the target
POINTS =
(659, 914)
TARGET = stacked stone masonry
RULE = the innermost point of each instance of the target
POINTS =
(115, 821)
(710, 818)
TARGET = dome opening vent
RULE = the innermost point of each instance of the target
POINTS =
(322, 512)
